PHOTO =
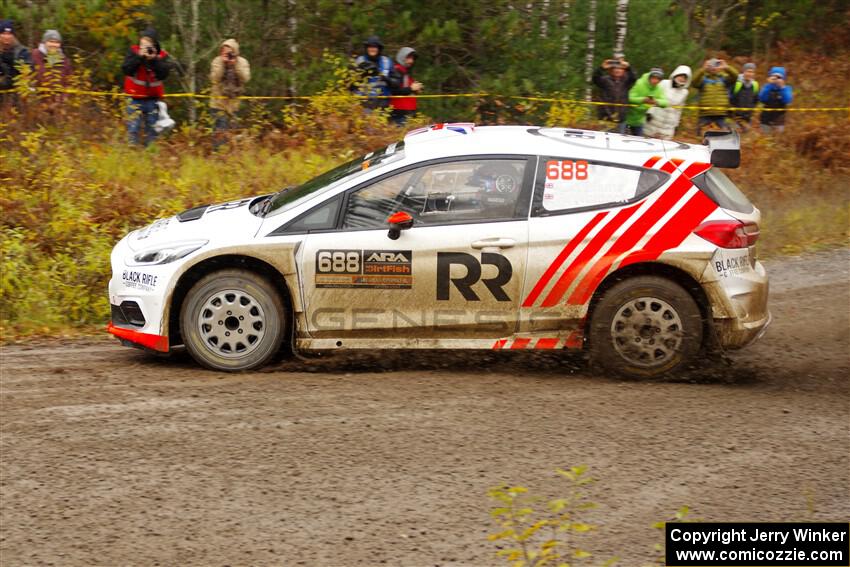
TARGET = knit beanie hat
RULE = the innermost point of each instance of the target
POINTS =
(656, 72)
(51, 35)
(748, 66)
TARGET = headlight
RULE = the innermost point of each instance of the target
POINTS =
(165, 253)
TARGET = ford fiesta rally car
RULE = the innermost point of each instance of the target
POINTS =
(640, 251)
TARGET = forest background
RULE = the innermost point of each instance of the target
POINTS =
(70, 186)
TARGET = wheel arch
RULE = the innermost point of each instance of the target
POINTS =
(659, 269)
(215, 263)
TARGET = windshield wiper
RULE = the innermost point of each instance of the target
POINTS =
(268, 202)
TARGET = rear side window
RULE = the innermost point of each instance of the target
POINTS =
(569, 185)
(722, 191)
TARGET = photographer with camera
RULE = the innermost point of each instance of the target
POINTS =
(228, 74)
(145, 67)
(374, 69)
(714, 82)
(614, 78)
(775, 96)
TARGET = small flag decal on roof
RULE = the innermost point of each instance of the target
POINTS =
(459, 127)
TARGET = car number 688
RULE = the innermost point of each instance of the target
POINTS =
(338, 261)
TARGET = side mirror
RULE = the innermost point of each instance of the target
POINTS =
(399, 221)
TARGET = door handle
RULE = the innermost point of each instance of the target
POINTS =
(494, 243)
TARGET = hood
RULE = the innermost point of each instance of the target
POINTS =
(224, 221)
(681, 70)
(232, 44)
(403, 53)
(644, 81)
(777, 71)
(153, 35)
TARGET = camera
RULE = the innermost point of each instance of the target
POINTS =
(150, 50)
(369, 68)
(231, 56)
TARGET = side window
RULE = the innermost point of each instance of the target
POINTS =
(569, 184)
(443, 193)
(322, 217)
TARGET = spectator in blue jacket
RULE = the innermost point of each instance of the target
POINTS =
(374, 68)
(775, 96)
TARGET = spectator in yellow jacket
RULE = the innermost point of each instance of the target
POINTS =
(714, 81)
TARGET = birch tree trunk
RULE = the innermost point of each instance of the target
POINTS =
(189, 35)
(565, 37)
(591, 48)
(622, 24)
(293, 44)
(544, 19)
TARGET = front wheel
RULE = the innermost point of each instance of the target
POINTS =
(233, 320)
(644, 327)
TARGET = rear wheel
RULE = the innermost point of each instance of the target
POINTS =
(233, 320)
(645, 326)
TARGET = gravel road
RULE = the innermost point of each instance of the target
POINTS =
(111, 457)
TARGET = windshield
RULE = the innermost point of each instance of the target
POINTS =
(293, 196)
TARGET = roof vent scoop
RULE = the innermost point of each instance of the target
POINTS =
(724, 148)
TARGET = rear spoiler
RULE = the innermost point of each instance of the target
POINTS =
(724, 148)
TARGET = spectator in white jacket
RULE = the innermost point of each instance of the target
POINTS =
(662, 122)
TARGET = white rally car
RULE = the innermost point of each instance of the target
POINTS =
(505, 237)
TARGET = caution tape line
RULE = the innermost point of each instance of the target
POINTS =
(565, 101)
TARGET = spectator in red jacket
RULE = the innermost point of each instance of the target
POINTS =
(402, 85)
(145, 68)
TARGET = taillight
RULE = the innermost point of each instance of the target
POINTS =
(729, 233)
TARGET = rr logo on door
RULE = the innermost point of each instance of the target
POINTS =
(464, 283)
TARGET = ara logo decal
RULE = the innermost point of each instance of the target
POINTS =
(378, 256)
(464, 283)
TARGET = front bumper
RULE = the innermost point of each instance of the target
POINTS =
(137, 296)
(154, 342)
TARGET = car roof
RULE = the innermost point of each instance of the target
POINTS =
(464, 138)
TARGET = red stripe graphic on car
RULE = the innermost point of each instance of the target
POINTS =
(629, 238)
(676, 230)
(652, 161)
(668, 167)
(547, 343)
(499, 344)
(696, 169)
(520, 344)
(556, 264)
(602, 237)
(575, 340)
(575, 241)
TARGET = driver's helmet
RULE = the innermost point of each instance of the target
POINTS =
(492, 178)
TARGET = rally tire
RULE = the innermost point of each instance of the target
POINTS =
(233, 320)
(645, 327)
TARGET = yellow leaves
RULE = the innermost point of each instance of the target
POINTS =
(501, 535)
(525, 525)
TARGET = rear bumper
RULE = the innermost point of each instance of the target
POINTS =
(733, 334)
(740, 307)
